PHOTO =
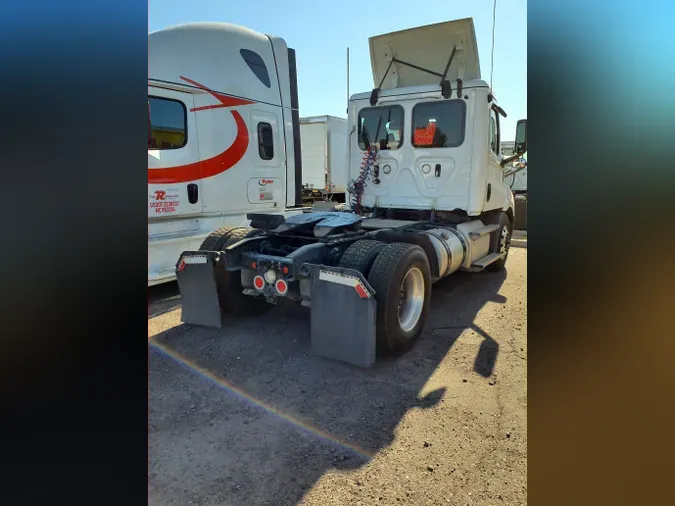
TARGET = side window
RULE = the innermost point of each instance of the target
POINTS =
(265, 141)
(167, 123)
(439, 124)
(257, 65)
(381, 127)
(494, 132)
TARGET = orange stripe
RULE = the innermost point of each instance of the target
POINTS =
(225, 100)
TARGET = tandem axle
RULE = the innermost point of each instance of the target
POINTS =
(367, 281)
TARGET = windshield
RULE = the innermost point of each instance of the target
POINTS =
(381, 127)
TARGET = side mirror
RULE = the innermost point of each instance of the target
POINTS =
(520, 146)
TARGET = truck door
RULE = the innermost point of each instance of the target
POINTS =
(265, 187)
(174, 174)
(497, 187)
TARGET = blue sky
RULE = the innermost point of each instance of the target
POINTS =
(320, 32)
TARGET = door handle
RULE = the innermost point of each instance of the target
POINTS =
(193, 193)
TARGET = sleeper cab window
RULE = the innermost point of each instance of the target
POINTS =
(167, 123)
(265, 141)
(257, 65)
(439, 124)
(381, 127)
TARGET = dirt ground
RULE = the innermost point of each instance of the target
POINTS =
(246, 415)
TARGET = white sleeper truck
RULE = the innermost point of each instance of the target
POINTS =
(223, 136)
(427, 198)
(324, 158)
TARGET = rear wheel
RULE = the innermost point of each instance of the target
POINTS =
(215, 240)
(500, 242)
(361, 255)
(232, 300)
(401, 278)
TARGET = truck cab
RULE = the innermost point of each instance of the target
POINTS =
(434, 122)
(223, 135)
(427, 198)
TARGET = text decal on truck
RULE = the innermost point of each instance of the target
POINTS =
(219, 163)
(164, 201)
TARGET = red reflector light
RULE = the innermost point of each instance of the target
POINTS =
(361, 291)
(259, 282)
(285, 270)
(281, 286)
(254, 265)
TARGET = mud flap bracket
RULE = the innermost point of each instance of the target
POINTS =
(196, 274)
(343, 315)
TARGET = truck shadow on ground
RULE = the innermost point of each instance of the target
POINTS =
(247, 415)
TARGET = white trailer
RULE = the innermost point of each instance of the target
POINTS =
(516, 178)
(427, 197)
(223, 136)
(324, 158)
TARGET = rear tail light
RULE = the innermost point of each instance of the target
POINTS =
(281, 286)
(259, 282)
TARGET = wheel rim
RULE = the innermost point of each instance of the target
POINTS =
(411, 300)
(504, 241)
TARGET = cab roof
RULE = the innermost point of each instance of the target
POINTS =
(222, 57)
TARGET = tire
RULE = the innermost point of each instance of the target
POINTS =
(215, 240)
(232, 300)
(499, 240)
(398, 327)
(361, 255)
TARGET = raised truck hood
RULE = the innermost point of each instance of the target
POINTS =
(428, 47)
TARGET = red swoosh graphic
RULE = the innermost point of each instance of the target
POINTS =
(219, 163)
(225, 100)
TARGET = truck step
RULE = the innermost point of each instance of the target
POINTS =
(480, 232)
(486, 260)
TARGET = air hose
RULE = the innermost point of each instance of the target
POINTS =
(358, 185)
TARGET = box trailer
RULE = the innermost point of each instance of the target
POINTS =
(324, 158)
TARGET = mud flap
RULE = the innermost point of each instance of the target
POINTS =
(343, 315)
(196, 275)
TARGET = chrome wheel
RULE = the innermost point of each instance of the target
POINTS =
(411, 301)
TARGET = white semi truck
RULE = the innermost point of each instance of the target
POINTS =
(223, 135)
(324, 158)
(427, 198)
